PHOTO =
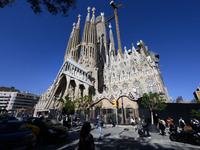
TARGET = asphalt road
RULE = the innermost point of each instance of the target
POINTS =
(128, 140)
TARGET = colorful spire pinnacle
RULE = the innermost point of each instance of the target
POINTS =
(93, 11)
(79, 17)
(88, 9)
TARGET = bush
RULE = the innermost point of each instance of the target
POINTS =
(113, 117)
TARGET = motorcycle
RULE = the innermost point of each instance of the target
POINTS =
(189, 136)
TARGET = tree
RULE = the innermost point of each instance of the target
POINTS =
(195, 101)
(53, 6)
(153, 101)
(68, 105)
(195, 114)
(83, 103)
(179, 99)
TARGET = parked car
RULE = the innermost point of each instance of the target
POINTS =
(5, 118)
(16, 135)
(46, 130)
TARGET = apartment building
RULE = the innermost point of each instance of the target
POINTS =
(12, 99)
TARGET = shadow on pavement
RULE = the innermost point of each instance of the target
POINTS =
(122, 143)
(70, 143)
(106, 135)
(131, 144)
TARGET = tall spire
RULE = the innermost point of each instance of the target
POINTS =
(88, 15)
(78, 23)
(92, 30)
(112, 49)
(75, 49)
(89, 43)
(86, 27)
(93, 15)
(69, 45)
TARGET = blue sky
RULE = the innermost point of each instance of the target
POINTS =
(32, 47)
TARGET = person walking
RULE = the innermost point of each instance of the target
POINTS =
(132, 121)
(169, 121)
(139, 127)
(145, 125)
(182, 123)
(86, 140)
(162, 126)
(112, 122)
(100, 125)
(172, 127)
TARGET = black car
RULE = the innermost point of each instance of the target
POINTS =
(16, 135)
(46, 130)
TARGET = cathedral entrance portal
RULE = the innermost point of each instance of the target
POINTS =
(105, 108)
(71, 90)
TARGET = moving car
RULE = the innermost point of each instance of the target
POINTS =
(16, 135)
(46, 130)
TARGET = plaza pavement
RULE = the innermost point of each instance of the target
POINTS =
(128, 140)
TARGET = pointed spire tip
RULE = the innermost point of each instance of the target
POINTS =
(79, 17)
(88, 9)
(93, 10)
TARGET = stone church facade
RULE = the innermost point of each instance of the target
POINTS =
(93, 67)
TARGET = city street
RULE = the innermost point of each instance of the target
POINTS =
(128, 140)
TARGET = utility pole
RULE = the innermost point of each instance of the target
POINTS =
(116, 105)
(122, 108)
(117, 24)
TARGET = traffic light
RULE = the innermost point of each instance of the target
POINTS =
(115, 103)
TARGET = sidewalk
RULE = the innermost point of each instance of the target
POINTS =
(128, 139)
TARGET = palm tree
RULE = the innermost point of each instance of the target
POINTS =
(153, 101)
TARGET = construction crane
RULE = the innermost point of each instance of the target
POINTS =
(117, 24)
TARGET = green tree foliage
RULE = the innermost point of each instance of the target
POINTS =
(68, 105)
(153, 101)
(195, 114)
(52, 6)
(83, 103)
(195, 101)
(179, 99)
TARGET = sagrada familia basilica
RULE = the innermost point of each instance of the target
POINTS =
(92, 66)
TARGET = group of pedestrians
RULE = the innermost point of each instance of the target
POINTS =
(161, 125)
(67, 120)
(142, 126)
(86, 140)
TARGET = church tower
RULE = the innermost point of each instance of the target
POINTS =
(88, 58)
(73, 47)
